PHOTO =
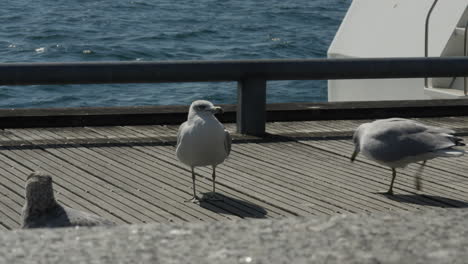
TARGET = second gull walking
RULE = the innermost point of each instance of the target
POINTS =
(397, 142)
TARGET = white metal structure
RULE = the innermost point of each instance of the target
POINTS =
(396, 28)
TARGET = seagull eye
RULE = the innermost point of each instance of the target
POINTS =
(202, 107)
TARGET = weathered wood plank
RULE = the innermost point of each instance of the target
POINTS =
(36, 159)
(181, 176)
(130, 173)
(172, 159)
(9, 218)
(442, 175)
(120, 158)
(186, 178)
(229, 205)
(279, 180)
(9, 190)
(319, 173)
(243, 179)
(406, 176)
(336, 169)
(102, 168)
(18, 172)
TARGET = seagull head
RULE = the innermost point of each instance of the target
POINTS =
(203, 107)
(39, 191)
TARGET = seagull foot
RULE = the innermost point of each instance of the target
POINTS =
(194, 199)
(389, 192)
(384, 192)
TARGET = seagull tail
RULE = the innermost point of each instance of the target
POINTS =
(458, 141)
(450, 152)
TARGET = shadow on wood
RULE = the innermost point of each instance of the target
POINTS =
(428, 200)
(229, 205)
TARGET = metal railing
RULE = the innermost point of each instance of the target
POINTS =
(251, 75)
(426, 36)
(465, 53)
(426, 47)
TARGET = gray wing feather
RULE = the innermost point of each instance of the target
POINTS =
(179, 132)
(402, 138)
(409, 126)
(227, 141)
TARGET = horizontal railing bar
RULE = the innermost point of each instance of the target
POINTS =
(230, 70)
(175, 115)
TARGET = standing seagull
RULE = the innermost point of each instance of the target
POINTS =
(202, 140)
(42, 210)
(396, 142)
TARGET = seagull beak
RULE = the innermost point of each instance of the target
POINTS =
(216, 110)
(353, 157)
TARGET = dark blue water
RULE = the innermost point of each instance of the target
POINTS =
(126, 30)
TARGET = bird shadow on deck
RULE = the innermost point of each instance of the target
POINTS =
(428, 200)
(229, 205)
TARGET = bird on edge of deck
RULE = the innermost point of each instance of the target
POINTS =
(41, 210)
(203, 141)
(397, 142)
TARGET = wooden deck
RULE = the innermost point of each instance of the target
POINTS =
(129, 174)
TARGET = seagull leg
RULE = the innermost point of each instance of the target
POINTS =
(214, 178)
(212, 196)
(390, 190)
(194, 198)
(417, 179)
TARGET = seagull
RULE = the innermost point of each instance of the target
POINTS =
(397, 142)
(202, 140)
(42, 210)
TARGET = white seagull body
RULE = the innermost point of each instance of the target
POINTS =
(396, 142)
(202, 140)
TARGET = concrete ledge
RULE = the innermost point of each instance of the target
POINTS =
(429, 237)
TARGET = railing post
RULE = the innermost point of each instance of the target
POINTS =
(251, 106)
(465, 53)
(426, 37)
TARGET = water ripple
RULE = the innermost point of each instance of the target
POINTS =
(120, 30)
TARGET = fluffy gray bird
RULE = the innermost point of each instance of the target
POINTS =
(42, 210)
(202, 140)
(397, 142)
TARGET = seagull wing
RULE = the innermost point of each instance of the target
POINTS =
(227, 142)
(179, 132)
(410, 126)
(403, 138)
(427, 142)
